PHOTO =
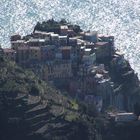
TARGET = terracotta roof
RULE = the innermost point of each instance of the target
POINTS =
(101, 43)
(34, 48)
(8, 50)
(66, 48)
(23, 48)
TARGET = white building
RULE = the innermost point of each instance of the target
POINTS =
(63, 40)
(125, 117)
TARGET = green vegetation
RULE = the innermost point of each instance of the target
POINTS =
(74, 105)
(49, 26)
(54, 26)
(64, 120)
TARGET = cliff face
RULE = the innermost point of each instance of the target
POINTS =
(126, 91)
(122, 89)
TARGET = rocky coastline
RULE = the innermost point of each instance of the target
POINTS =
(80, 79)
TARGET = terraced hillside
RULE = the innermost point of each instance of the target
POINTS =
(31, 109)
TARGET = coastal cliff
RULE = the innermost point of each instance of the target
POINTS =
(123, 90)
(59, 83)
(31, 109)
(127, 92)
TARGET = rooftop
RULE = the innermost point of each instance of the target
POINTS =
(91, 33)
(36, 40)
(8, 50)
(98, 76)
(34, 48)
(18, 41)
(126, 113)
(66, 48)
(87, 49)
(64, 27)
(44, 33)
(101, 35)
(101, 43)
(119, 53)
(62, 37)
(54, 35)
(15, 34)
(23, 48)
(83, 47)
(72, 38)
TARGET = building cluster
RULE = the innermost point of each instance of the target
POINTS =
(75, 61)
(123, 117)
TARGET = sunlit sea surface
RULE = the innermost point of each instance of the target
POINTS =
(120, 18)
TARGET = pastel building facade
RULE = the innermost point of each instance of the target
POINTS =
(58, 70)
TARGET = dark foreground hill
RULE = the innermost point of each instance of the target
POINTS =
(31, 109)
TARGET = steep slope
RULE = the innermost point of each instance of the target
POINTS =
(31, 109)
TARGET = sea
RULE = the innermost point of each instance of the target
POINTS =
(120, 18)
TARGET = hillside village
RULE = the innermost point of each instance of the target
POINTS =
(85, 64)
